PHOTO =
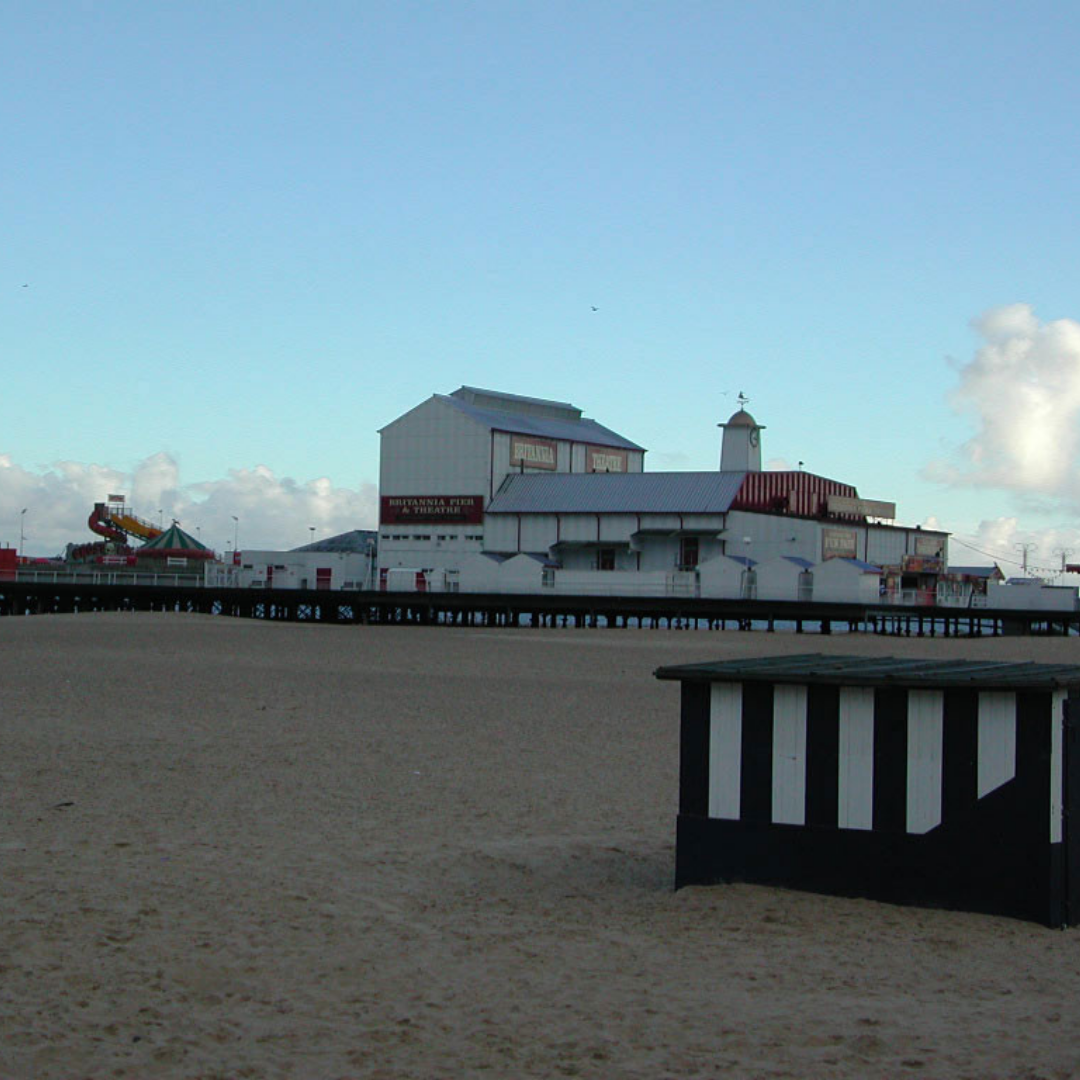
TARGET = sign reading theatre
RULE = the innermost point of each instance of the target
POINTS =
(532, 453)
(605, 459)
(415, 509)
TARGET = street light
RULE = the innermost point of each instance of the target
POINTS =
(22, 532)
(161, 519)
(236, 534)
(311, 529)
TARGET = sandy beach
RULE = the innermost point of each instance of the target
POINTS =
(236, 849)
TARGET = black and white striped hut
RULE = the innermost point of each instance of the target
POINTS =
(940, 782)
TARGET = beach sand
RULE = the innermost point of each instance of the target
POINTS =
(240, 849)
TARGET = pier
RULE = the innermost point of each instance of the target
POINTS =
(532, 610)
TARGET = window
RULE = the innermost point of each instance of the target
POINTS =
(605, 559)
(688, 553)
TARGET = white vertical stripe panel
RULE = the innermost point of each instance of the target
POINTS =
(856, 777)
(1057, 765)
(789, 755)
(924, 759)
(997, 739)
(725, 750)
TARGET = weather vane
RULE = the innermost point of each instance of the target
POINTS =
(743, 400)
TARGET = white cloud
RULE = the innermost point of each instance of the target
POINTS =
(273, 512)
(1022, 387)
(1001, 540)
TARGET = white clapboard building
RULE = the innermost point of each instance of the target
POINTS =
(471, 480)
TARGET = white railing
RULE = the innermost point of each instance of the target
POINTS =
(97, 577)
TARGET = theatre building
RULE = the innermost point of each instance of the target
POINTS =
(484, 491)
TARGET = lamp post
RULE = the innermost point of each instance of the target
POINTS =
(161, 519)
(236, 533)
(311, 529)
(22, 528)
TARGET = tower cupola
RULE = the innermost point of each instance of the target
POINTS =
(740, 449)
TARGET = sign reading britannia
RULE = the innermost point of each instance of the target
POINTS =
(532, 453)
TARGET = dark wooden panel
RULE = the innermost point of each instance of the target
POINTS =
(694, 749)
(822, 755)
(757, 749)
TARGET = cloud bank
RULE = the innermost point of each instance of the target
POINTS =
(1022, 388)
(1001, 540)
(273, 512)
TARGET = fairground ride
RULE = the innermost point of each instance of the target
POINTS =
(114, 521)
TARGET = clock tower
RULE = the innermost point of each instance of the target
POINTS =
(740, 450)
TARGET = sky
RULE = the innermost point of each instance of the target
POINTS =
(240, 238)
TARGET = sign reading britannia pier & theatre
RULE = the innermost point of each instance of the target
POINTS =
(432, 509)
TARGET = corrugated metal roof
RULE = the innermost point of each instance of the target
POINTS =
(582, 431)
(355, 541)
(879, 670)
(617, 493)
(545, 402)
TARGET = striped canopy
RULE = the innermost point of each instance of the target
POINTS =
(174, 543)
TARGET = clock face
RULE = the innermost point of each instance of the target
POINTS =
(753, 437)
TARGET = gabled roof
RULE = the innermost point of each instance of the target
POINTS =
(581, 431)
(744, 559)
(858, 564)
(358, 541)
(503, 402)
(617, 493)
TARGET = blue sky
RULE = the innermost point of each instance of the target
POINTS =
(241, 238)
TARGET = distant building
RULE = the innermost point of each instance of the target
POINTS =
(345, 561)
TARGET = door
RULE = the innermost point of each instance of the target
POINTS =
(688, 553)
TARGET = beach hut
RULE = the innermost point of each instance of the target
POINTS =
(726, 577)
(847, 581)
(949, 783)
(480, 572)
(787, 577)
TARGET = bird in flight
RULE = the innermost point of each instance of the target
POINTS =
(595, 308)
